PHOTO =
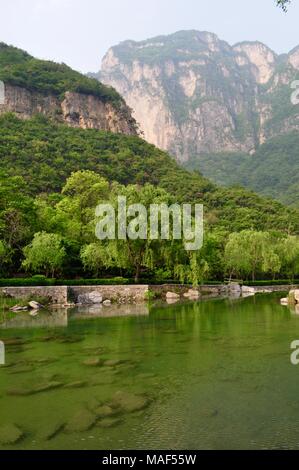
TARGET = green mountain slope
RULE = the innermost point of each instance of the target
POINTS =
(45, 154)
(272, 171)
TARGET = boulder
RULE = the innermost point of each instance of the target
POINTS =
(35, 305)
(172, 296)
(10, 434)
(192, 294)
(82, 421)
(296, 295)
(93, 298)
(291, 298)
(18, 308)
(93, 362)
(129, 402)
(107, 303)
(106, 411)
(284, 301)
(37, 389)
(248, 290)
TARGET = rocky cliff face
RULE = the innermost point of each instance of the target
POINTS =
(193, 93)
(76, 109)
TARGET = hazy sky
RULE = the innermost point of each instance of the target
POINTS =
(79, 32)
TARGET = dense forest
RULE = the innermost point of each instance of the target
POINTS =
(272, 171)
(53, 176)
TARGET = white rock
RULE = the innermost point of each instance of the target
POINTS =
(296, 295)
(96, 297)
(17, 308)
(107, 303)
(192, 294)
(90, 299)
(172, 296)
(284, 301)
(35, 305)
(248, 290)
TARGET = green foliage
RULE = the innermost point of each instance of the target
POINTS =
(52, 177)
(45, 253)
(45, 155)
(19, 68)
(273, 171)
(283, 4)
(261, 253)
(33, 282)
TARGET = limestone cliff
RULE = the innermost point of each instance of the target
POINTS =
(76, 110)
(37, 86)
(193, 93)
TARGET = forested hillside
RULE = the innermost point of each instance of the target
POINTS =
(272, 171)
(53, 176)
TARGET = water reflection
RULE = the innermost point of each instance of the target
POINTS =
(59, 317)
(45, 319)
(100, 311)
(200, 375)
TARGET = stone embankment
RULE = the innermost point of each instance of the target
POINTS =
(132, 294)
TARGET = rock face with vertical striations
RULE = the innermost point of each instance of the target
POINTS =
(32, 86)
(193, 93)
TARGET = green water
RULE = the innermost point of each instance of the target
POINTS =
(209, 375)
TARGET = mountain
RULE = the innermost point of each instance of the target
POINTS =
(194, 94)
(42, 144)
(55, 90)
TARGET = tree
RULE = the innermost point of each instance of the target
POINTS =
(140, 251)
(97, 256)
(17, 214)
(4, 255)
(283, 4)
(82, 192)
(288, 250)
(45, 254)
(251, 252)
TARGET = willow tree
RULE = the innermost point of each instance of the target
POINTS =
(46, 254)
(81, 194)
(250, 252)
(141, 236)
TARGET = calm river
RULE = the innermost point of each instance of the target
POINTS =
(205, 375)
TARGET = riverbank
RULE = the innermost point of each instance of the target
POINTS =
(132, 294)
